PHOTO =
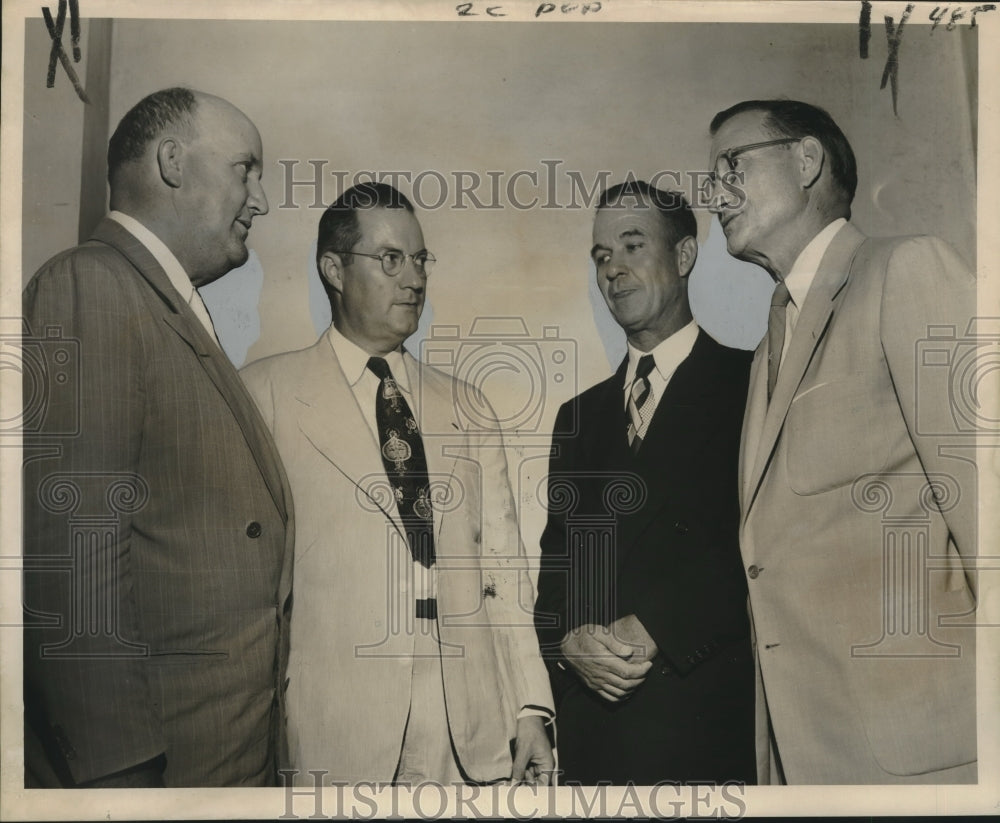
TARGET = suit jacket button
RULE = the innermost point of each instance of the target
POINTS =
(681, 527)
(254, 530)
(752, 572)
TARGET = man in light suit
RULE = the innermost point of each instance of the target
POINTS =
(157, 518)
(858, 497)
(412, 657)
(641, 607)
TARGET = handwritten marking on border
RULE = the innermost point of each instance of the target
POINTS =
(58, 52)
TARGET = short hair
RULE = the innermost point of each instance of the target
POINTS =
(146, 121)
(793, 118)
(339, 228)
(678, 218)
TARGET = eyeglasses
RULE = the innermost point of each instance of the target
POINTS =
(393, 261)
(730, 155)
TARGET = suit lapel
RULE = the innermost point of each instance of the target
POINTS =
(332, 422)
(177, 314)
(820, 303)
(612, 446)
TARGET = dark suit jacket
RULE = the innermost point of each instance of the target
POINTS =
(157, 533)
(655, 536)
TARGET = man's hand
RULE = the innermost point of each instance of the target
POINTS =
(608, 665)
(630, 630)
(533, 760)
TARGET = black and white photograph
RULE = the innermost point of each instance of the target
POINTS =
(499, 409)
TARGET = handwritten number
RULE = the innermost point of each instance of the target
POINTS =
(987, 7)
(465, 10)
(937, 16)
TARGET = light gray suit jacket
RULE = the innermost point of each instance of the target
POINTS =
(352, 640)
(858, 498)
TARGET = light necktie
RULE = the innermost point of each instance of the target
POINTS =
(776, 334)
(405, 463)
(200, 310)
(640, 403)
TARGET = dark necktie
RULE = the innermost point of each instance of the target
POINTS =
(640, 403)
(405, 463)
(776, 334)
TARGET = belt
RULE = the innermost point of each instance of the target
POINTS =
(427, 608)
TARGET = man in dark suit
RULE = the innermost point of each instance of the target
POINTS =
(157, 530)
(641, 610)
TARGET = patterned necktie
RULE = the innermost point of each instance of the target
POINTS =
(640, 403)
(405, 463)
(776, 334)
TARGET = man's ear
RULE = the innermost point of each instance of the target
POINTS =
(687, 252)
(331, 269)
(811, 159)
(168, 158)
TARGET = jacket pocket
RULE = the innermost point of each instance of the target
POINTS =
(834, 433)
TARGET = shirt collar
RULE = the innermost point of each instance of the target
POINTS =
(803, 271)
(171, 266)
(354, 360)
(668, 354)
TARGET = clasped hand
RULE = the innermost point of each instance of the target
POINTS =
(612, 660)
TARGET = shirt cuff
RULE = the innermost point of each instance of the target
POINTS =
(536, 711)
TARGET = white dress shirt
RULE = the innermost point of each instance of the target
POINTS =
(667, 355)
(171, 266)
(800, 277)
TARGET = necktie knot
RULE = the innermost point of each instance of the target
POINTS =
(780, 296)
(379, 367)
(645, 365)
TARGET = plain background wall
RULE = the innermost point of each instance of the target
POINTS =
(493, 96)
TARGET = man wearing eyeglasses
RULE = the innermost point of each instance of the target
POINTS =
(858, 500)
(413, 657)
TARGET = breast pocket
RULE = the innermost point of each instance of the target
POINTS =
(835, 432)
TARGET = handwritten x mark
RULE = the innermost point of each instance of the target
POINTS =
(58, 53)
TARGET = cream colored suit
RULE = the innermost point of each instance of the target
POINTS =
(353, 626)
(858, 500)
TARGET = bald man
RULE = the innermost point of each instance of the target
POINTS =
(157, 530)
